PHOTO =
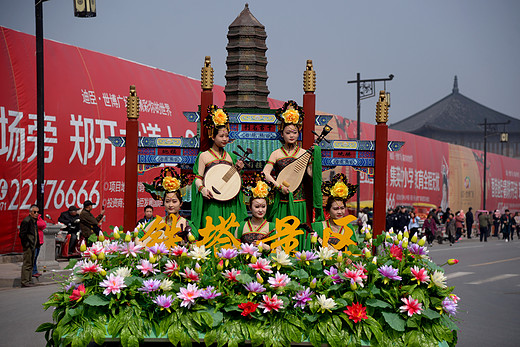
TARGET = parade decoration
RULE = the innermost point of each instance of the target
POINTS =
(168, 181)
(217, 117)
(339, 187)
(243, 293)
(290, 113)
(256, 186)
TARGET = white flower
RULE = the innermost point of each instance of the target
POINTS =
(438, 279)
(326, 303)
(281, 258)
(326, 253)
(166, 284)
(199, 253)
(123, 272)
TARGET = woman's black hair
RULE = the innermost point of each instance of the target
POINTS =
(216, 130)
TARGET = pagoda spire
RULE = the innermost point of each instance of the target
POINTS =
(455, 89)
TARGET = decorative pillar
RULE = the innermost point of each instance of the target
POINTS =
(309, 108)
(206, 99)
(380, 165)
(132, 140)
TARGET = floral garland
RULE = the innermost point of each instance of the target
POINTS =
(339, 188)
(123, 290)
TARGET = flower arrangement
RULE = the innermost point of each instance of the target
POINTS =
(124, 290)
(291, 116)
(261, 190)
(290, 113)
(171, 184)
(339, 187)
(220, 117)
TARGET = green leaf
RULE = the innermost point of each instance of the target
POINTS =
(244, 278)
(315, 338)
(72, 263)
(96, 300)
(430, 314)
(98, 335)
(294, 286)
(210, 337)
(301, 274)
(311, 318)
(377, 303)
(394, 321)
(45, 327)
(217, 318)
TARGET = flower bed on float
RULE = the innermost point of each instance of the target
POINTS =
(126, 291)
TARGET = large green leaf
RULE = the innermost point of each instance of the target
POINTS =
(430, 314)
(394, 321)
(244, 278)
(301, 274)
(377, 303)
(97, 300)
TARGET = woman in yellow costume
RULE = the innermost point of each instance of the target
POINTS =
(339, 191)
(203, 204)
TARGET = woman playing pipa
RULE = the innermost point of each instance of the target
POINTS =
(216, 175)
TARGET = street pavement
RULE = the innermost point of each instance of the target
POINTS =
(487, 279)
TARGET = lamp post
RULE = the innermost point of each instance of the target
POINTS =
(365, 90)
(81, 9)
(503, 138)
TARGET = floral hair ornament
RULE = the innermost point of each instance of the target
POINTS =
(216, 118)
(339, 188)
(168, 181)
(290, 113)
(257, 187)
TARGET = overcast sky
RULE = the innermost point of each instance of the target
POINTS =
(423, 43)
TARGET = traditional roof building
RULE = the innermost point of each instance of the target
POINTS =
(457, 119)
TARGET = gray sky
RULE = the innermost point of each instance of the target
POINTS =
(423, 43)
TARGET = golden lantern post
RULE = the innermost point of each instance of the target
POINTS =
(380, 164)
(132, 140)
(309, 108)
(206, 99)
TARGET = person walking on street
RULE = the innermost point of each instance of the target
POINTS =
(29, 238)
(413, 226)
(459, 220)
(451, 228)
(483, 222)
(496, 222)
(517, 224)
(87, 222)
(505, 221)
(430, 229)
(469, 222)
(41, 224)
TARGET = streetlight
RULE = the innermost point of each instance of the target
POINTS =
(504, 137)
(82, 8)
(365, 90)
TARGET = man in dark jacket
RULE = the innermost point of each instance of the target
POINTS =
(29, 237)
(88, 223)
(71, 219)
(403, 219)
(148, 215)
(469, 221)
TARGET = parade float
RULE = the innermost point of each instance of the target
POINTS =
(231, 294)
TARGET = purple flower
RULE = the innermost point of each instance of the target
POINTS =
(254, 287)
(449, 306)
(306, 256)
(70, 286)
(158, 249)
(417, 250)
(302, 297)
(164, 302)
(150, 286)
(333, 273)
(389, 272)
(209, 293)
(227, 253)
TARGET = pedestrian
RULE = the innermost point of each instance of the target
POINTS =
(483, 222)
(41, 224)
(148, 216)
(389, 219)
(459, 220)
(517, 224)
(451, 228)
(496, 223)
(87, 222)
(414, 226)
(430, 229)
(70, 218)
(505, 224)
(362, 218)
(469, 222)
(403, 219)
(29, 238)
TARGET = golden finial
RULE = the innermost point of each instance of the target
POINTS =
(309, 78)
(132, 104)
(206, 75)
(382, 108)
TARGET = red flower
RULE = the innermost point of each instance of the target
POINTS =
(78, 293)
(396, 252)
(356, 312)
(248, 307)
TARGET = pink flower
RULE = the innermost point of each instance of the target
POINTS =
(261, 265)
(150, 286)
(411, 305)
(190, 274)
(171, 267)
(227, 253)
(112, 248)
(147, 268)
(113, 284)
(271, 303)
(188, 295)
(96, 248)
(178, 250)
(420, 275)
(131, 249)
(246, 248)
(89, 267)
(355, 276)
(164, 302)
(254, 287)
(231, 275)
(396, 252)
(279, 280)
(209, 293)
(78, 293)
(158, 249)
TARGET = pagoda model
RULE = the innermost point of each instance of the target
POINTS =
(246, 74)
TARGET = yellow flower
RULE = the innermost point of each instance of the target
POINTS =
(339, 190)
(291, 116)
(220, 117)
(171, 184)
(261, 190)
